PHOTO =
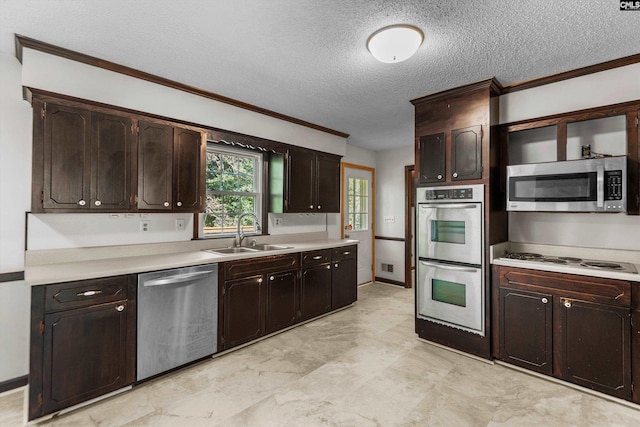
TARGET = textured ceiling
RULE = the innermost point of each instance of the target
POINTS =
(308, 59)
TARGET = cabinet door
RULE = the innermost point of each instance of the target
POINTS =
(301, 168)
(283, 301)
(594, 344)
(315, 291)
(344, 289)
(188, 170)
(243, 305)
(432, 152)
(111, 139)
(466, 153)
(328, 184)
(85, 354)
(67, 163)
(155, 166)
(526, 329)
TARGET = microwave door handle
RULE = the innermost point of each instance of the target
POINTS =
(452, 206)
(449, 267)
(600, 184)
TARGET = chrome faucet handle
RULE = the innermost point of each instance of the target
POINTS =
(253, 242)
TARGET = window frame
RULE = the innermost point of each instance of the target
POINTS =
(260, 184)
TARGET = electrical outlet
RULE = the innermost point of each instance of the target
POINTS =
(278, 221)
(180, 224)
(145, 225)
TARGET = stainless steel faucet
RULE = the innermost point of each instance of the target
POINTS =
(239, 233)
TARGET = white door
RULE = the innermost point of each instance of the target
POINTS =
(358, 217)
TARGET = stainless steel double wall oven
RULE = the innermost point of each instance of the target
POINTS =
(450, 279)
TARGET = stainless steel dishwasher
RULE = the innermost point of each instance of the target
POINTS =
(177, 318)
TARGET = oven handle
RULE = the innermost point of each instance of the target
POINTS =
(600, 184)
(449, 267)
(452, 206)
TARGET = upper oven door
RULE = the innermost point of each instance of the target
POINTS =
(450, 232)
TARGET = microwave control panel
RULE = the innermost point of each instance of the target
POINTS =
(613, 185)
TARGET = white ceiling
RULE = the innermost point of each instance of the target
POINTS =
(308, 59)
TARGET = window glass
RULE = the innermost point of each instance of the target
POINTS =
(358, 204)
(233, 187)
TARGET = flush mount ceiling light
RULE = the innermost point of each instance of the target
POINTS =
(395, 43)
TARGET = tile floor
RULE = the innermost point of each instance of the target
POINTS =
(362, 366)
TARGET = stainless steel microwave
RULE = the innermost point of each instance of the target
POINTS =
(588, 185)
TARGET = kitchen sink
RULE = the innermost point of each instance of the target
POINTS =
(267, 247)
(231, 250)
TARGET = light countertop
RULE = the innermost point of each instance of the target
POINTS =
(613, 255)
(47, 273)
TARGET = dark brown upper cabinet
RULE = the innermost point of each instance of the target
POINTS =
(311, 182)
(452, 138)
(84, 159)
(91, 158)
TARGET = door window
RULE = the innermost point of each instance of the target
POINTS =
(448, 231)
(358, 204)
(449, 292)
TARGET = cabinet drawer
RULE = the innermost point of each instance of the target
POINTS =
(586, 288)
(316, 257)
(83, 293)
(252, 266)
(344, 252)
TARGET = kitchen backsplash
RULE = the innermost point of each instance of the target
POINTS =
(592, 230)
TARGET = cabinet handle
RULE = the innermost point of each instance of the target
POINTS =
(272, 278)
(97, 203)
(317, 257)
(346, 253)
(329, 267)
(455, 174)
(439, 176)
(82, 202)
(166, 204)
(179, 204)
(88, 293)
(310, 206)
(544, 300)
(567, 304)
(120, 308)
(260, 280)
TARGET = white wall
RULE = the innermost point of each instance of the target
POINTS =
(390, 203)
(15, 196)
(613, 231)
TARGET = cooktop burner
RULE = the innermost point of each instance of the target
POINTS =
(572, 262)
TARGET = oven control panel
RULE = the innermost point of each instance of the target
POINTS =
(449, 194)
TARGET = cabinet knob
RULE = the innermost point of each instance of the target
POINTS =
(97, 203)
(179, 204)
(166, 204)
(260, 280)
(335, 265)
(272, 278)
(439, 176)
(329, 267)
(544, 300)
(310, 206)
(82, 202)
(319, 207)
(455, 174)
(567, 304)
(120, 308)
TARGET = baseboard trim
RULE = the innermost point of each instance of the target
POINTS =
(391, 281)
(14, 383)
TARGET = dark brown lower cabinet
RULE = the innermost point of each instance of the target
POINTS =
(594, 345)
(315, 292)
(243, 310)
(283, 300)
(344, 287)
(576, 328)
(531, 312)
(82, 342)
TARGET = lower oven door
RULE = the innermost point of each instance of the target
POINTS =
(452, 295)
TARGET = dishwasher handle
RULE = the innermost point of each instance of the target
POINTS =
(179, 278)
